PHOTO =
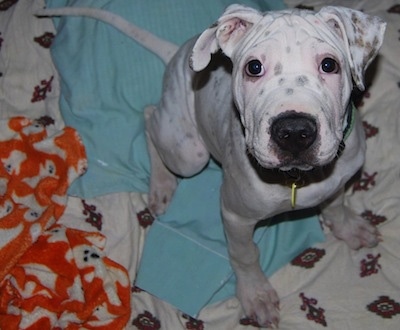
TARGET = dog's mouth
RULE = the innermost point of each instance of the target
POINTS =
(285, 161)
(304, 161)
(308, 160)
(301, 174)
(291, 168)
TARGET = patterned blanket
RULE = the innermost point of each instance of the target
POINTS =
(51, 276)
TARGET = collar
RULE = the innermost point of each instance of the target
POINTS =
(351, 115)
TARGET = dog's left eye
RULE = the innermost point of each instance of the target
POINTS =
(329, 65)
(254, 68)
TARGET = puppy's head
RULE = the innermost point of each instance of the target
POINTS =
(293, 72)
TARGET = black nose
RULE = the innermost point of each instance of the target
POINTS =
(294, 132)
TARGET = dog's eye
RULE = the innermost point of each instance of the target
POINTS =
(254, 68)
(329, 65)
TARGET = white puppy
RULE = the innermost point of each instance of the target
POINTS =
(268, 96)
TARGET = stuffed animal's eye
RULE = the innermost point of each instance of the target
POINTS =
(329, 65)
(254, 68)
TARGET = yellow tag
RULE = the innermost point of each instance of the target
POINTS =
(294, 192)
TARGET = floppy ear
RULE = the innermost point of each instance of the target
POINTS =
(362, 34)
(225, 34)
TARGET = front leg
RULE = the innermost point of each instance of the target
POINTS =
(258, 298)
(348, 226)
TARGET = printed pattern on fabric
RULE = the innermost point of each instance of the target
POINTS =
(50, 276)
(36, 169)
(146, 321)
(308, 258)
(63, 281)
(314, 313)
(40, 91)
(385, 307)
(94, 218)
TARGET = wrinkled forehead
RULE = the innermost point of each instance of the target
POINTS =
(292, 28)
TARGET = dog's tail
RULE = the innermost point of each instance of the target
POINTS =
(162, 48)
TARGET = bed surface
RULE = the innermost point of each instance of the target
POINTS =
(70, 249)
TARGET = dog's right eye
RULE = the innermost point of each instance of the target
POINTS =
(254, 68)
(329, 65)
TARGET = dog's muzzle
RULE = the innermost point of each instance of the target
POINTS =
(294, 133)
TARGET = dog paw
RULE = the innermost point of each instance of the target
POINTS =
(358, 233)
(260, 302)
(161, 193)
